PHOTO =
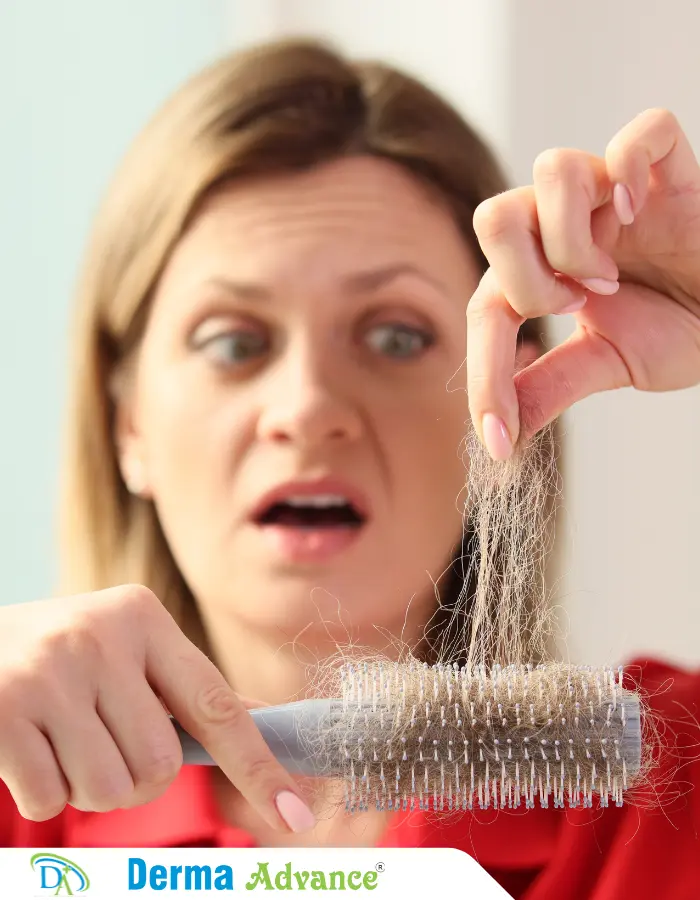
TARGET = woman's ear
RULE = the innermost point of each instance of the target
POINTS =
(129, 448)
(134, 474)
(527, 352)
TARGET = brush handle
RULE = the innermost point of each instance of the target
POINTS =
(281, 727)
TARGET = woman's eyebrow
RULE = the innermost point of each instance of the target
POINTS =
(374, 279)
(357, 283)
(243, 290)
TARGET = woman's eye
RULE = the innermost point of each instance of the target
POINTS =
(236, 347)
(399, 341)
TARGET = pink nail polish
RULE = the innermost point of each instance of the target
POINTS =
(572, 307)
(496, 437)
(622, 201)
(601, 285)
(294, 811)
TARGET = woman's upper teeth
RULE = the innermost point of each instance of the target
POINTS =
(317, 500)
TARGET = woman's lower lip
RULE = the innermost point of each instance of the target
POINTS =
(305, 545)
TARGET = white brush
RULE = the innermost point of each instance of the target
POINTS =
(442, 737)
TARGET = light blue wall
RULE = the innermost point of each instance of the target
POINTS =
(78, 78)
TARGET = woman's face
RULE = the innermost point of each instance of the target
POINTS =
(299, 408)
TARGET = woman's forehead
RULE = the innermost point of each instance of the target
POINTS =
(349, 217)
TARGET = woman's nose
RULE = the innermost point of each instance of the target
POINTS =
(304, 407)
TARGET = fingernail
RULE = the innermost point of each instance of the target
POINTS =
(294, 811)
(622, 201)
(601, 285)
(573, 307)
(496, 437)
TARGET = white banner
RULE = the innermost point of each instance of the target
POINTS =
(100, 874)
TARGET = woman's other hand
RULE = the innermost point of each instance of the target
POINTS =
(616, 241)
(84, 682)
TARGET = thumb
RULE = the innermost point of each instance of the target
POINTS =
(585, 363)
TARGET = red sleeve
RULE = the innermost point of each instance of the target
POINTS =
(16, 831)
(649, 847)
(8, 817)
(672, 697)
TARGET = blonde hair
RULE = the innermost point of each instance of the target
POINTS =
(280, 107)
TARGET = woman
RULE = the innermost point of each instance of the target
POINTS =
(263, 455)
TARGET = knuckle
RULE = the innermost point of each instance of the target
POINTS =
(532, 414)
(79, 638)
(661, 117)
(218, 705)
(481, 307)
(564, 253)
(145, 794)
(30, 690)
(90, 633)
(105, 794)
(137, 599)
(479, 382)
(628, 144)
(103, 803)
(259, 770)
(157, 769)
(479, 315)
(40, 809)
(16, 689)
(555, 165)
(68, 652)
(495, 218)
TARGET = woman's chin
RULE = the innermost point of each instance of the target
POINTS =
(334, 606)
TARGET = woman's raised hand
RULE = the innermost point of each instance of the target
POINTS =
(616, 241)
(84, 682)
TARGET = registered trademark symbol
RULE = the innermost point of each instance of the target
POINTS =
(380, 867)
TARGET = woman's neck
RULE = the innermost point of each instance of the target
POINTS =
(261, 666)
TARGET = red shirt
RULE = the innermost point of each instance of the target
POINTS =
(537, 854)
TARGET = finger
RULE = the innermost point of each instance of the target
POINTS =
(584, 364)
(492, 332)
(208, 709)
(509, 234)
(30, 770)
(569, 186)
(652, 140)
(248, 702)
(251, 703)
(91, 762)
(141, 729)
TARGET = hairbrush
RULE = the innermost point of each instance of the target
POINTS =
(443, 737)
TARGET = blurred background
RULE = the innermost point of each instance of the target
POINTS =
(78, 79)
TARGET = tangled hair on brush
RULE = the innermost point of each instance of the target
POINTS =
(446, 739)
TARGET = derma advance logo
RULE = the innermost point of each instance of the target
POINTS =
(58, 876)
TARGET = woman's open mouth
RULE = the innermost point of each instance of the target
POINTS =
(303, 526)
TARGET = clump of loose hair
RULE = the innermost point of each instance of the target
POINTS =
(509, 511)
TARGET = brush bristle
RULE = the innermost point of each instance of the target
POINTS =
(445, 738)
